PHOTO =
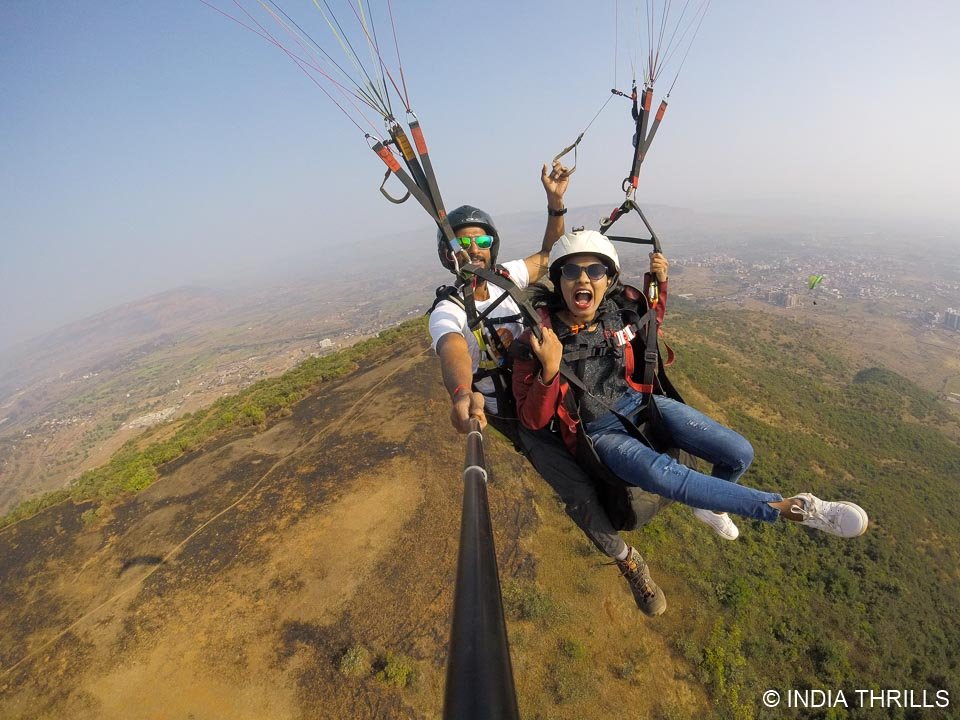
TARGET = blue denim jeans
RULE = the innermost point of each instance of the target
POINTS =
(728, 451)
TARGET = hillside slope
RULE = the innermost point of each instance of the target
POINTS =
(304, 569)
(234, 585)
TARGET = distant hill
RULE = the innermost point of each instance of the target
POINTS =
(300, 561)
(68, 398)
(95, 340)
(359, 269)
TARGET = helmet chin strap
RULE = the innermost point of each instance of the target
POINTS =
(611, 284)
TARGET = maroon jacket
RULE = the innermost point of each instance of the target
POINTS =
(537, 404)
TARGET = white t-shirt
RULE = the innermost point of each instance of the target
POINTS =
(449, 317)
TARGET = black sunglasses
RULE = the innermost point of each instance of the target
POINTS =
(572, 271)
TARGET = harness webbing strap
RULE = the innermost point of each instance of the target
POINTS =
(582, 354)
(391, 162)
(646, 325)
(647, 410)
(639, 150)
(531, 318)
(651, 353)
(421, 196)
(505, 319)
(409, 159)
(656, 124)
(432, 186)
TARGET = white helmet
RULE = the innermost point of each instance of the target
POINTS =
(583, 242)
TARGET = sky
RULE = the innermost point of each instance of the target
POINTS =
(148, 145)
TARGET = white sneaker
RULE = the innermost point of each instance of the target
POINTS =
(722, 524)
(837, 518)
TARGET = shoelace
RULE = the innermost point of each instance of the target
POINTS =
(635, 576)
(820, 516)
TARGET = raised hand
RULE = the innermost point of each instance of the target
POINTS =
(555, 181)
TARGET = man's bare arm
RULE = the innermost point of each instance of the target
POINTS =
(456, 367)
(555, 184)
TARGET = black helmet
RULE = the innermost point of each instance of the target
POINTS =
(460, 218)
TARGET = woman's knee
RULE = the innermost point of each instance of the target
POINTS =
(742, 452)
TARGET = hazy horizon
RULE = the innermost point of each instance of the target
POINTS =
(520, 231)
(157, 146)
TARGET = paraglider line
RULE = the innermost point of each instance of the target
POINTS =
(363, 93)
(663, 25)
(238, 22)
(372, 43)
(265, 35)
(705, 6)
(597, 114)
(374, 48)
(651, 11)
(349, 50)
(668, 49)
(403, 80)
(304, 64)
(616, 39)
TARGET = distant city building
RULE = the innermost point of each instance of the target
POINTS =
(784, 299)
(326, 343)
(952, 319)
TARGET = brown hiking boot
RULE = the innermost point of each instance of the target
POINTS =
(646, 593)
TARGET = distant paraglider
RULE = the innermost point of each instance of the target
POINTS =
(812, 282)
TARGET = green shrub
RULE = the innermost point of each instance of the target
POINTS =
(735, 592)
(253, 414)
(525, 601)
(397, 670)
(89, 517)
(573, 649)
(355, 662)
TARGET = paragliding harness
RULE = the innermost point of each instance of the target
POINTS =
(639, 330)
(496, 359)
(648, 375)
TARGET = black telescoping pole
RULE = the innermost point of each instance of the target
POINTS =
(479, 675)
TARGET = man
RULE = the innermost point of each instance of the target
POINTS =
(461, 357)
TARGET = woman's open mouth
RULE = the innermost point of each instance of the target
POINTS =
(583, 299)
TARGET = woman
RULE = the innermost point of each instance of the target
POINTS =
(584, 269)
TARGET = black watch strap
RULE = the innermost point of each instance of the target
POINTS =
(556, 213)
